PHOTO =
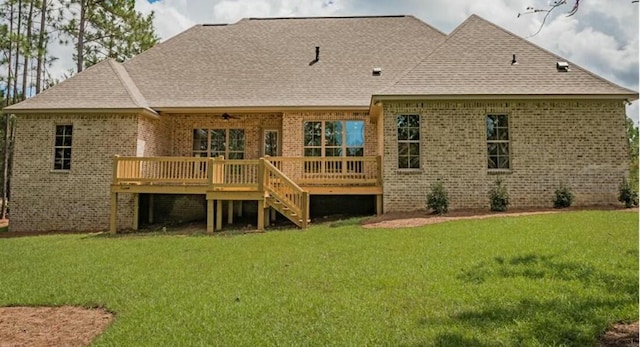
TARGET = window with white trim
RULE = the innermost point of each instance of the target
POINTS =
(229, 143)
(498, 142)
(62, 147)
(408, 141)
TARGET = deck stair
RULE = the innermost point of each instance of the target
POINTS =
(285, 196)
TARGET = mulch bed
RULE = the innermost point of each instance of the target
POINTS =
(621, 335)
(422, 217)
(51, 326)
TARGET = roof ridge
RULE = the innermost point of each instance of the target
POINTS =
(329, 17)
(132, 90)
(426, 24)
(402, 75)
(172, 38)
(572, 64)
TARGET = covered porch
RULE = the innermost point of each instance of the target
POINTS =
(278, 184)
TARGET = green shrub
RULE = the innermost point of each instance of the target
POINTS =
(438, 199)
(498, 196)
(563, 197)
(628, 195)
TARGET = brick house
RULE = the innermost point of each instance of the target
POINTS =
(270, 115)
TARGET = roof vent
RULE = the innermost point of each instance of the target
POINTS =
(562, 66)
(377, 71)
(514, 61)
(317, 59)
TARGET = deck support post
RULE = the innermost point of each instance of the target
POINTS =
(267, 216)
(379, 204)
(218, 214)
(210, 212)
(230, 211)
(239, 209)
(261, 214)
(305, 210)
(151, 208)
(136, 211)
(113, 221)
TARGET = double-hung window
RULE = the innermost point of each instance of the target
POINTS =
(62, 147)
(498, 142)
(408, 141)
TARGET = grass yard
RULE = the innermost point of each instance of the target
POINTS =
(557, 279)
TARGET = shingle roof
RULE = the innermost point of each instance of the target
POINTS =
(266, 62)
(103, 86)
(476, 60)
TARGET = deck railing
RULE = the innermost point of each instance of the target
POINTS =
(180, 170)
(330, 170)
(217, 172)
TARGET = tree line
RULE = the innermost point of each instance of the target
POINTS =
(96, 29)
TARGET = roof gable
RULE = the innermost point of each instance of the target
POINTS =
(476, 59)
(105, 85)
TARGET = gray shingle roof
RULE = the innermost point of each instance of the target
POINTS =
(476, 59)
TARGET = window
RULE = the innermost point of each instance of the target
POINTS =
(228, 143)
(62, 147)
(497, 142)
(408, 141)
(334, 139)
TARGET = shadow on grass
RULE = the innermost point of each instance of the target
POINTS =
(450, 339)
(575, 319)
(536, 267)
(168, 233)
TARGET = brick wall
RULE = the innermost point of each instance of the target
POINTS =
(154, 137)
(44, 199)
(579, 143)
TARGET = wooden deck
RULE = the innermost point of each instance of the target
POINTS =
(279, 183)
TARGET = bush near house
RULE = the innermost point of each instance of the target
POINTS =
(563, 197)
(438, 199)
(628, 195)
(498, 195)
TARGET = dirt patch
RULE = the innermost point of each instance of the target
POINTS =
(621, 335)
(51, 326)
(419, 218)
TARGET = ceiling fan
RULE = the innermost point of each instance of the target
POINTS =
(226, 116)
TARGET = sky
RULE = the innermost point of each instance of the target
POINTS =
(602, 37)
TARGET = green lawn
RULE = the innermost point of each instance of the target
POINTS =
(529, 281)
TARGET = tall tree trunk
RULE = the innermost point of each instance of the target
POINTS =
(41, 47)
(81, 26)
(18, 38)
(5, 167)
(9, 88)
(27, 52)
